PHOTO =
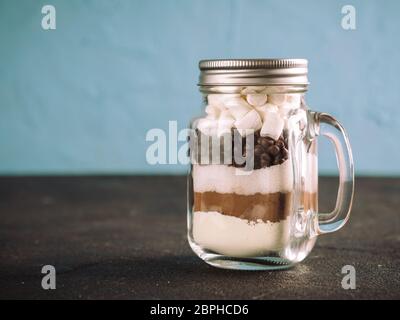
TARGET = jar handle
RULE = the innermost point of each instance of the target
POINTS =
(326, 125)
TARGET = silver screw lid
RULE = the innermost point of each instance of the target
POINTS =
(253, 72)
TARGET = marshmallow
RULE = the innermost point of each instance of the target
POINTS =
(212, 111)
(257, 99)
(238, 107)
(273, 125)
(225, 114)
(215, 100)
(285, 109)
(252, 89)
(278, 99)
(268, 107)
(218, 100)
(207, 126)
(294, 100)
(225, 123)
(281, 99)
(271, 107)
(223, 130)
(250, 121)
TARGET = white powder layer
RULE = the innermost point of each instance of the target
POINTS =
(237, 237)
(228, 179)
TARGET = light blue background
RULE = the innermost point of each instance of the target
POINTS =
(81, 98)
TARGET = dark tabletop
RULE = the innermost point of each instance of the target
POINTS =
(125, 237)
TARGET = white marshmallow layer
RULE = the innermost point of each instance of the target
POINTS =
(252, 109)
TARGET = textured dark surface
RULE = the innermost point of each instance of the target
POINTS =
(125, 237)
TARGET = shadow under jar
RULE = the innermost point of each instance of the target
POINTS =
(253, 180)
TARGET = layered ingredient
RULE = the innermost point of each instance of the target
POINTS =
(264, 194)
(242, 212)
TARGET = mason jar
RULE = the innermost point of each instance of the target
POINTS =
(253, 179)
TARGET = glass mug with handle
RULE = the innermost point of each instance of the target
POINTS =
(253, 179)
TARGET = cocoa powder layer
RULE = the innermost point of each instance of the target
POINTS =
(271, 207)
(309, 201)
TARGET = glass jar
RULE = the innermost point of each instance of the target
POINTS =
(253, 180)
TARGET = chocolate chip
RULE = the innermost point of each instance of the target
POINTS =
(266, 142)
(280, 144)
(264, 163)
(278, 159)
(258, 150)
(266, 151)
(273, 150)
(266, 157)
(284, 153)
(285, 140)
(265, 160)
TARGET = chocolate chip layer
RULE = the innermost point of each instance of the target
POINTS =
(265, 153)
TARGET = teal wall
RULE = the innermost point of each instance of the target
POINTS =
(80, 99)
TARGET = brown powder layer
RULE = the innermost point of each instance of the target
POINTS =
(267, 207)
(309, 201)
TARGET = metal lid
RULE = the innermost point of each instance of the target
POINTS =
(254, 72)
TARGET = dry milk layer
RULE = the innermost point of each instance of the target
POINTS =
(237, 237)
(228, 179)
